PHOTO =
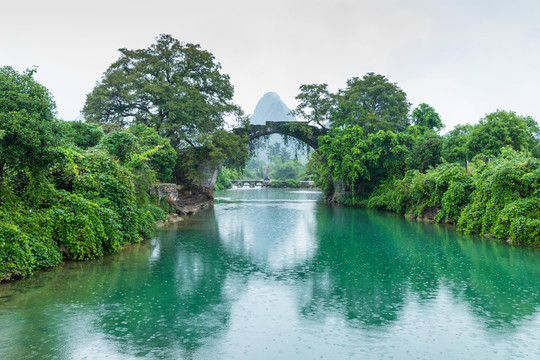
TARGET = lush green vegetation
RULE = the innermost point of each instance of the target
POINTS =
(500, 198)
(178, 90)
(67, 189)
(78, 190)
(281, 165)
(485, 178)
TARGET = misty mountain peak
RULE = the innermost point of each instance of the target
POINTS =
(271, 108)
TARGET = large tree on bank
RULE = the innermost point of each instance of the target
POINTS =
(28, 127)
(374, 103)
(371, 102)
(173, 87)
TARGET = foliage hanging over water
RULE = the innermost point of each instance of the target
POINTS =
(68, 190)
(483, 177)
(499, 199)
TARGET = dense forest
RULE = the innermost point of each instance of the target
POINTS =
(69, 190)
(78, 190)
(378, 154)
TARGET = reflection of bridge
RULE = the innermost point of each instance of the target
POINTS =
(269, 183)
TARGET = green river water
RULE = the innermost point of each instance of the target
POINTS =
(276, 274)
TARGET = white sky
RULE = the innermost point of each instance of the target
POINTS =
(466, 58)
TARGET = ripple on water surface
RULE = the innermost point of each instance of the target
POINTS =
(269, 274)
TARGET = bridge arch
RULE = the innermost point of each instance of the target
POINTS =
(302, 131)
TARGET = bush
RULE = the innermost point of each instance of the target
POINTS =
(81, 134)
(292, 183)
(15, 251)
(501, 198)
(97, 177)
(26, 243)
(446, 187)
(86, 201)
(505, 201)
(78, 225)
(223, 180)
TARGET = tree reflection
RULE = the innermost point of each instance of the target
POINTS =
(169, 298)
(355, 273)
(180, 303)
(141, 302)
(369, 264)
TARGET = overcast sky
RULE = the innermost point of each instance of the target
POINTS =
(466, 58)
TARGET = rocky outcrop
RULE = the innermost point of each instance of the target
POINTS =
(429, 214)
(183, 201)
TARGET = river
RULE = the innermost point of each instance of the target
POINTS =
(276, 274)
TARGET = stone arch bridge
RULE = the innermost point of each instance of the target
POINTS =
(296, 129)
(302, 131)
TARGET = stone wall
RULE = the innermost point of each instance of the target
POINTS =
(209, 178)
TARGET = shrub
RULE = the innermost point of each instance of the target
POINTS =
(504, 202)
(78, 226)
(15, 251)
(26, 243)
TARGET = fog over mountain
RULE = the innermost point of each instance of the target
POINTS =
(271, 108)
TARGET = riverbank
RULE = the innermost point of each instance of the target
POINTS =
(185, 205)
(498, 199)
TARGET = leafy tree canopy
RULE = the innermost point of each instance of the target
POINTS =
(277, 151)
(425, 152)
(498, 129)
(81, 134)
(362, 160)
(454, 147)
(316, 104)
(141, 146)
(28, 127)
(425, 117)
(173, 87)
(373, 103)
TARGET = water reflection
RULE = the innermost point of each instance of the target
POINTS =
(275, 274)
(274, 234)
(368, 264)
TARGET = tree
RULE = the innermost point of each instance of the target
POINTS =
(498, 129)
(425, 152)
(276, 151)
(28, 128)
(316, 104)
(142, 150)
(534, 146)
(363, 160)
(373, 103)
(162, 160)
(289, 169)
(454, 147)
(81, 134)
(173, 87)
(425, 117)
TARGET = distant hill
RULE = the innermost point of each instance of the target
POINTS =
(79, 117)
(271, 108)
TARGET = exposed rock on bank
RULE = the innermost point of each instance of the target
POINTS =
(184, 202)
(171, 219)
